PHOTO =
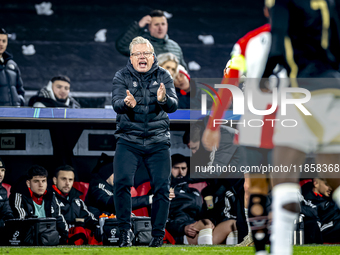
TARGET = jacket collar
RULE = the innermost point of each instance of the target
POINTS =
(6, 56)
(59, 192)
(74, 193)
(160, 41)
(317, 194)
(36, 199)
(51, 93)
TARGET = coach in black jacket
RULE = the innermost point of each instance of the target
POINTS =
(143, 93)
(34, 200)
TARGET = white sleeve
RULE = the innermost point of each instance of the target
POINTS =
(256, 54)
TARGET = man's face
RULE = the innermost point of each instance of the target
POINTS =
(64, 181)
(194, 146)
(61, 89)
(2, 174)
(38, 185)
(182, 82)
(171, 66)
(179, 170)
(158, 27)
(141, 63)
(3, 43)
(322, 187)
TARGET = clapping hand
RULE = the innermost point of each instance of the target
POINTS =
(161, 93)
(129, 100)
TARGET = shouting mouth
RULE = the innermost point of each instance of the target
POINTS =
(142, 64)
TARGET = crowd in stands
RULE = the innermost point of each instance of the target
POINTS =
(56, 93)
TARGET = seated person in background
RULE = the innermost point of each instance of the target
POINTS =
(169, 62)
(221, 209)
(55, 94)
(5, 209)
(72, 207)
(228, 156)
(156, 33)
(99, 197)
(35, 200)
(184, 222)
(317, 195)
(183, 88)
(189, 97)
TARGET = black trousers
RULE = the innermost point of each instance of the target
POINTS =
(156, 158)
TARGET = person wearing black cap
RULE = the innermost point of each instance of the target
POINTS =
(5, 209)
(99, 197)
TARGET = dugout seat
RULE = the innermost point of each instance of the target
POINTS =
(199, 185)
(141, 190)
(82, 187)
(8, 188)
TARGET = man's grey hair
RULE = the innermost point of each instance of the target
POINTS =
(165, 57)
(140, 40)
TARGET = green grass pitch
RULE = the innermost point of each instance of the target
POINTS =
(166, 250)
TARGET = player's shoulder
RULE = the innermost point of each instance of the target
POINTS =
(243, 42)
(263, 29)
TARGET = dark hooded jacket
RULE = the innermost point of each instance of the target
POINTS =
(22, 204)
(148, 122)
(324, 208)
(184, 208)
(11, 86)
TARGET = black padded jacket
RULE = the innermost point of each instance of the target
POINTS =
(148, 122)
(11, 86)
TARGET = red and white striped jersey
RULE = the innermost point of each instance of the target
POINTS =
(255, 47)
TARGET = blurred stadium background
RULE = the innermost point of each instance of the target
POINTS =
(64, 42)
